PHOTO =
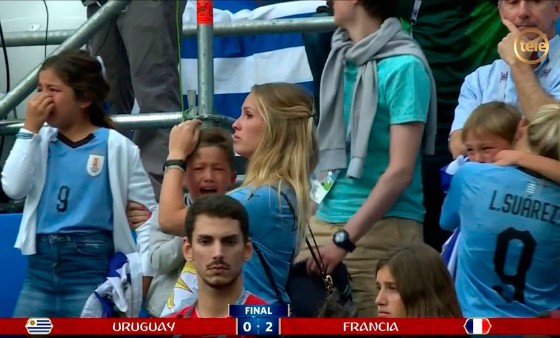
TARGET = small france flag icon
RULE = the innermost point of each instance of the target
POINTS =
(477, 326)
(39, 326)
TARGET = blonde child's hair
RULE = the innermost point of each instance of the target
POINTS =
(495, 118)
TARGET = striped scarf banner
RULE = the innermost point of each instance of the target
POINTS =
(243, 61)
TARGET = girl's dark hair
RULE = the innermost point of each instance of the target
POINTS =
(423, 281)
(84, 74)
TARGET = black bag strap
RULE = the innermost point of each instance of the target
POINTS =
(327, 279)
(263, 261)
(266, 268)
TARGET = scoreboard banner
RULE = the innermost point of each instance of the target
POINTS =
(265, 320)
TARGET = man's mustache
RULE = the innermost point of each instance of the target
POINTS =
(218, 262)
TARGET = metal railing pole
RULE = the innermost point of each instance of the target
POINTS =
(134, 121)
(205, 41)
(296, 25)
(55, 37)
(37, 38)
(82, 34)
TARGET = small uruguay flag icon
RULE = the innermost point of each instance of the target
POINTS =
(477, 326)
(39, 326)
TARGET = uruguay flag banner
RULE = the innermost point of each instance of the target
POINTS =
(42, 326)
(245, 60)
(477, 326)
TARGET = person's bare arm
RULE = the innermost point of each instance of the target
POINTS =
(456, 146)
(530, 94)
(146, 282)
(172, 210)
(405, 140)
(404, 149)
(136, 214)
(545, 166)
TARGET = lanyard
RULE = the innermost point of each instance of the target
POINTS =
(414, 15)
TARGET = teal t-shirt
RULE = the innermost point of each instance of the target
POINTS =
(404, 97)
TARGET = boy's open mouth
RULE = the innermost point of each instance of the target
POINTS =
(204, 191)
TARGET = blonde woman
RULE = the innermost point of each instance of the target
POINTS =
(508, 262)
(275, 133)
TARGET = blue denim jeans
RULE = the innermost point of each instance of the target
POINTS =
(63, 273)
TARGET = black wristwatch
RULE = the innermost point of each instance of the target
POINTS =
(342, 240)
(180, 163)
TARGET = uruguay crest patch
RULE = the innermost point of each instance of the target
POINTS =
(95, 164)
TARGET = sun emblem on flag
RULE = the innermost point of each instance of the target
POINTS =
(181, 284)
(189, 267)
(41, 326)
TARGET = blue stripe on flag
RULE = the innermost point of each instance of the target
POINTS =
(234, 6)
(225, 47)
(469, 326)
(477, 326)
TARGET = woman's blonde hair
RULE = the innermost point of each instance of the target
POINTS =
(543, 132)
(287, 151)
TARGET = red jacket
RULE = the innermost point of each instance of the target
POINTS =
(190, 312)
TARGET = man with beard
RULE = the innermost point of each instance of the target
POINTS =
(218, 243)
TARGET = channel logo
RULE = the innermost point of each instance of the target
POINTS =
(39, 326)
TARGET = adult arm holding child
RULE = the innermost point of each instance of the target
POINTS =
(545, 166)
(136, 214)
